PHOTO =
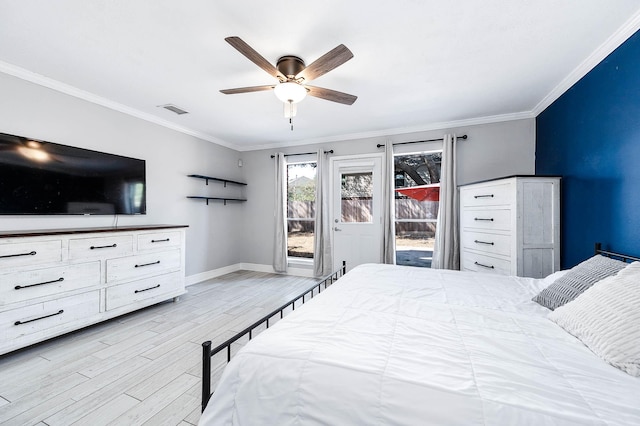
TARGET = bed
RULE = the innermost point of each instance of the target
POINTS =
(397, 345)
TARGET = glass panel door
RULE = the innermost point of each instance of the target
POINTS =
(356, 205)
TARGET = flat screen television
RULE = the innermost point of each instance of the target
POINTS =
(44, 178)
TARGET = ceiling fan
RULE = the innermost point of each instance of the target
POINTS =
(293, 74)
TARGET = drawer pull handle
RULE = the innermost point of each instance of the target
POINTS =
(147, 264)
(31, 253)
(160, 241)
(36, 319)
(484, 242)
(99, 247)
(483, 196)
(59, 280)
(147, 289)
(482, 218)
(484, 266)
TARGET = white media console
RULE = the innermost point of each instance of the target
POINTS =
(56, 281)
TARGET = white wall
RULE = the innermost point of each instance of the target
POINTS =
(491, 151)
(214, 233)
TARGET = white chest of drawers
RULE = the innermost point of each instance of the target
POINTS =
(53, 282)
(511, 226)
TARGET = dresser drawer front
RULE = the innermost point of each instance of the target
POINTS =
(143, 265)
(501, 194)
(488, 220)
(26, 285)
(22, 322)
(113, 246)
(159, 240)
(148, 288)
(487, 243)
(481, 263)
(30, 253)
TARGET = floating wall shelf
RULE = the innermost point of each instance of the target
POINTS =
(217, 199)
(225, 181)
(215, 179)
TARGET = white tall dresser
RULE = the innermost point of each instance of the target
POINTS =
(511, 226)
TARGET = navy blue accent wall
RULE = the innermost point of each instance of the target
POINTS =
(591, 137)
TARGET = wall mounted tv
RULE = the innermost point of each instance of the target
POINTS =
(44, 178)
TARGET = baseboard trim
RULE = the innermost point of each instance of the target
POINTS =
(214, 273)
(256, 267)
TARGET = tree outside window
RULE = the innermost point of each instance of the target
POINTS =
(301, 208)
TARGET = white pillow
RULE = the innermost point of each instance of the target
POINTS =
(539, 284)
(550, 279)
(606, 318)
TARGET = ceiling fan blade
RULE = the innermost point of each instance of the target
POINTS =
(325, 63)
(247, 89)
(254, 56)
(331, 95)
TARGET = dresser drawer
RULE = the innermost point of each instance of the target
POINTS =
(487, 243)
(26, 285)
(30, 253)
(113, 246)
(487, 219)
(143, 265)
(159, 240)
(482, 263)
(148, 288)
(496, 194)
(25, 321)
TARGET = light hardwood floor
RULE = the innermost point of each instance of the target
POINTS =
(139, 369)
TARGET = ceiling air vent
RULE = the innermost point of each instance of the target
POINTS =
(174, 108)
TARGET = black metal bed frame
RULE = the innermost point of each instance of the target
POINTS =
(208, 353)
(623, 257)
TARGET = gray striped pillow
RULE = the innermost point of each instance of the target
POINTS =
(577, 280)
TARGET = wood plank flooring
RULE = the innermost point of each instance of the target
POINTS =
(139, 369)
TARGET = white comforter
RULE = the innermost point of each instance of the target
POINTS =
(393, 345)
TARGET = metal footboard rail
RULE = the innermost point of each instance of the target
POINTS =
(208, 353)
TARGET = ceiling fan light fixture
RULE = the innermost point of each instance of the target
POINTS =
(290, 92)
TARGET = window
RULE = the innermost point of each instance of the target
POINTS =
(417, 183)
(301, 208)
(356, 193)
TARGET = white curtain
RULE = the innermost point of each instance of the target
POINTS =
(446, 252)
(280, 214)
(389, 208)
(322, 257)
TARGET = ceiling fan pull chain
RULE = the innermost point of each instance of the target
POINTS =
(291, 114)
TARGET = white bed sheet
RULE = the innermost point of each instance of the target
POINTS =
(394, 345)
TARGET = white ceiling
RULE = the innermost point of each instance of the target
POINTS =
(417, 65)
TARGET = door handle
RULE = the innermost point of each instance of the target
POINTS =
(337, 229)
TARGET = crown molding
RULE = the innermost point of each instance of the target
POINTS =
(605, 49)
(397, 131)
(50, 83)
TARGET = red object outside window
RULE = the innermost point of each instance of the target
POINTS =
(422, 192)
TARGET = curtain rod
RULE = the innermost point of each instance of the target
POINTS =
(304, 153)
(428, 140)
